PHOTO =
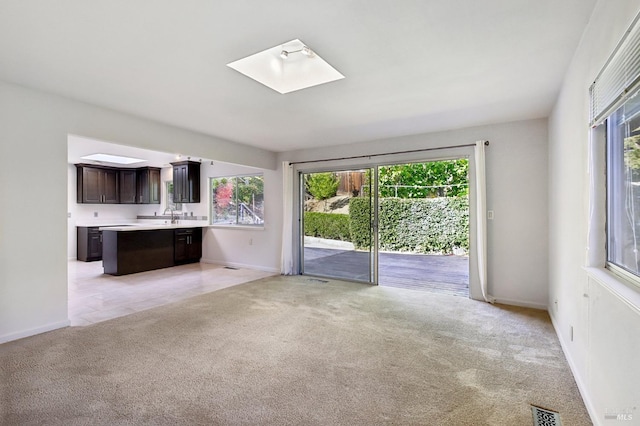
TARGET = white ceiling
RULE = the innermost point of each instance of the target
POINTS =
(411, 66)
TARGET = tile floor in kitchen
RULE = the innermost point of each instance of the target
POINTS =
(95, 297)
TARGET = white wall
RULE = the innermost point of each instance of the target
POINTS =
(33, 233)
(257, 248)
(516, 191)
(604, 351)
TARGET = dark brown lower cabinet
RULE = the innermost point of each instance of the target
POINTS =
(128, 252)
(89, 244)
(188, 245)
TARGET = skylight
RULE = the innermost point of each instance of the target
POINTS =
(287, 67)
(117, 159)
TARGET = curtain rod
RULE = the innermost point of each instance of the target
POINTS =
(386, 153)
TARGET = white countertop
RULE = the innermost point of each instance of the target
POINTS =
(152, 226)
(132, 225)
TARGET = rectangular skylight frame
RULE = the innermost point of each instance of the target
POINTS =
(300, 69)
(115, 159)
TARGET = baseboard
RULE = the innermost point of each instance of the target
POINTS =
(241, 265)
(522, 303)
(582, 388)
(33, 331)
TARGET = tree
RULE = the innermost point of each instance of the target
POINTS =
(322, 185)
(425, 180)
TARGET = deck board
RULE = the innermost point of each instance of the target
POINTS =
(440, 274)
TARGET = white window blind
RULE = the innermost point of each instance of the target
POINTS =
(619, 76)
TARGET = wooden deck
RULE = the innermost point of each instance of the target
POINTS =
(440, 274)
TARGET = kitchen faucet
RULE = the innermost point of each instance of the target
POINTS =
(174, 218)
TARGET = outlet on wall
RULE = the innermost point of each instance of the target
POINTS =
(95, 214)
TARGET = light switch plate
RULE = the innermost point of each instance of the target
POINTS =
(490, 215)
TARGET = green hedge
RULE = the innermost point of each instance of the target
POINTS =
(331, 226)
(430, 225)
(360, 221)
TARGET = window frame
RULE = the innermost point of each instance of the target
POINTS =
(628, 276)
(236, 225)
(177, 207)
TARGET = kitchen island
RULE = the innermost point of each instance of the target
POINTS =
(139, 248)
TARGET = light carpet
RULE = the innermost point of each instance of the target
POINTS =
(297, 351)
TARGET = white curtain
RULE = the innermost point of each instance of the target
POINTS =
(596, 234)
(287, 219)
(481, 219)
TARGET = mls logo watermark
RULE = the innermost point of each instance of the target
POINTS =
(626, 414)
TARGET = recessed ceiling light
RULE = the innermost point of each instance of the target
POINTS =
(108, 158)
(287, 67)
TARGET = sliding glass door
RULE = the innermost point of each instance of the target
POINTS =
(337, 237)
(398, 225)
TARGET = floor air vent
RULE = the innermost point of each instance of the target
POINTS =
(316, 280)
(231, 267)
(544, 417)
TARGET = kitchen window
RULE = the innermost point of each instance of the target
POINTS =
(169, 192)
(237, 200)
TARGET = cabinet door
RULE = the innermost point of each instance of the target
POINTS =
(181, 246)
(180, 184)
(195, 245)
(193, 176)
(110, 186)
(89, 185)
(94, 244)
(143, 186)
(128, 186)
(154, 186)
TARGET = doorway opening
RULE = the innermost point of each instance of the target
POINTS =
(398, 225)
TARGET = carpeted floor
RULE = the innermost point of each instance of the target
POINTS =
(292, 350)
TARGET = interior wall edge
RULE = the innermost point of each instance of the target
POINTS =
(580, 382)
(33, 331)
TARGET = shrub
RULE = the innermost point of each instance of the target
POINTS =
(433, 225)
(360, 222)
(322, 185)
(332, 226)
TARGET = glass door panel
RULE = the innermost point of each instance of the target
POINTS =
(337, 221)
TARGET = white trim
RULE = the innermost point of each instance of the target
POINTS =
(616, 286)
(33, 331)
(244, 227)
(582, 386)
(522, 303)
(241, 265)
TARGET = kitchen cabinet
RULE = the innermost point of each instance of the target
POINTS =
(89, 246)
(188, 245)
(127, 250)
(110, 185)
(128, 186)
(186, 182)
(148, 185)
(97, 185)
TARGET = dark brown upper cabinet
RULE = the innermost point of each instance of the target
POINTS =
(186, 182)
(148, 191)
(128, 186)
(110, 185)
(97, 185)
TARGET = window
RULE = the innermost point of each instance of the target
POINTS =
(170, 204)
(623, 188)
(615, 104)
(237, 200)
